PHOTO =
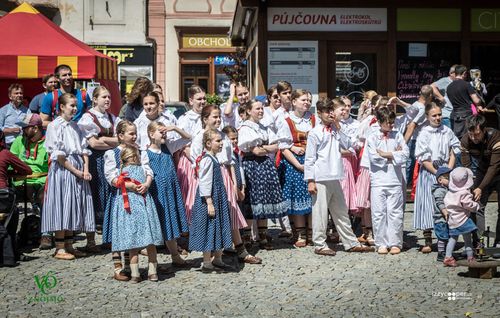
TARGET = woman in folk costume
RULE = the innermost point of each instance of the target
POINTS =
(436, 146)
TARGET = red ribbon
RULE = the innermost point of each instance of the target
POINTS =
(197, 163)
(120, 183)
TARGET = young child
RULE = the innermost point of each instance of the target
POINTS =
(436, 145)
(135, 220)
(67, 205)
(459, 203)
(210, 230)
(166, 191)
(99, 127)
(439, 191)
(387, 153)
(322, 171)
(127, 136)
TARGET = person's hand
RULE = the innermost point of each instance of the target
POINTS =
(445, 214)
(211, 210)
(394, 101)
(142, 188)
(232, 89)
(241, 195)
(480, 109)
(299, 151)
(86, 176)
(311, 188)
(131, 186)
(382, 153)
(477, 194)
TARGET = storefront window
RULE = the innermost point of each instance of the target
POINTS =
(354, 74)
(485, 57)
(194, 74)
(128, 75)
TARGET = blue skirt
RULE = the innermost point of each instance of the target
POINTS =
(465, 228)
(207, 234)
(263, 192)
(141, 226)
(442, 231)
(98, 185)
(110, 199)
(297, 199)
(167, 196)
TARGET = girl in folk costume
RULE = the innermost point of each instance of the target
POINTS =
(177, 138)
(99, 127)
(210, 230)
(127, 136)
(366, 128)
(349, 127)
(436, 145)
(190, 122)
(135, 220)
(388, 153)
(210, 117)
(298, 202)
(263, 199)
(365, 108)
(165, 190)
(230, 109)
(67, 203)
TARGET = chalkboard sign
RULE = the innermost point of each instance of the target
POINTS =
(414, 72)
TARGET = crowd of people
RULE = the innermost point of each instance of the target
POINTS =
(217, 175)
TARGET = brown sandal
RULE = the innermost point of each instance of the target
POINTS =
(250, 259)
(325, 251)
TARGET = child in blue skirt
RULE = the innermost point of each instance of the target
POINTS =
(210, 230)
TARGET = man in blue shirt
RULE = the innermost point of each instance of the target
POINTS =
(49, 83)
(12, 113)
(50, 108)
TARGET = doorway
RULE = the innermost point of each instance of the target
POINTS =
(354, 69)
(194, 74)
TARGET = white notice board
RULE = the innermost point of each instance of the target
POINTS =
(295, 62)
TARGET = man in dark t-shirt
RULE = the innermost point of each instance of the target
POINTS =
(461, 95)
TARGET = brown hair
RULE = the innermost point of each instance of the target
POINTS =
(430, 106)
(141, 87)
(384, 115)
(337, 102)
(14, 86)
(324, 105)
(283, 86)
(249, 105)
(152, 94)
(195, 89)
(205, 113)
(270, 91)
(299, 92)
(65, 98)
(229, 129)
(122, 126)
(46, 78)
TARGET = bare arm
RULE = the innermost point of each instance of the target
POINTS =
(291, 158)
(45, 120)
(228, 110)
(409, 131)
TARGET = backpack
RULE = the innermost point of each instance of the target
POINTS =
(29, 234)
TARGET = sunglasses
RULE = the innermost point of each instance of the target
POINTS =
(275, 96)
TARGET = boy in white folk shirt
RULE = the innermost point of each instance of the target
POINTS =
(323, 171)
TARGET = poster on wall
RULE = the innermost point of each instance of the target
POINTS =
(295, 62)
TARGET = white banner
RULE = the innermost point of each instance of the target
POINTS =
(295, 62)
(327, 19)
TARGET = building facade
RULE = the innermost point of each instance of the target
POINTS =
(344, 48)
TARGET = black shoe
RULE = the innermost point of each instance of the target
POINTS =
(440, 256)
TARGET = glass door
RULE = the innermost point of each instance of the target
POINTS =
(354, 70)
(192, 74)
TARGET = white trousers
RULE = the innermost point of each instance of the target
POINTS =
(330, 197)
(387, 216)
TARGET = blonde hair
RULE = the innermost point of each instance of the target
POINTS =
(368, 95)
(152, 127)
(128, 154)
(98, 91)
(208, 136)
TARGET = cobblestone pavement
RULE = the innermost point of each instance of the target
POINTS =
(290, 283)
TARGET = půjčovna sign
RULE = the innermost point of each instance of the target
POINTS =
(327, 19)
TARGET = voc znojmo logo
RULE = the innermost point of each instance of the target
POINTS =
(45, 283)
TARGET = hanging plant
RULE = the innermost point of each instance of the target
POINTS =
(237, 72)
(213, 99)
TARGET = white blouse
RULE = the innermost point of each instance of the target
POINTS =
(90, 128)
(224, 157)
(323, 161)
(111, 171)
(190, 122)
(205, 176)
(383, 171)
(434, 143)
(303, 124)
(251, 135)
(350, 127)
(234, 119)
(64, 138)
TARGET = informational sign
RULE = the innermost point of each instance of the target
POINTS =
(417, 49)
(295, 62)
(128, 55)
(327, 19)
(205, 41)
